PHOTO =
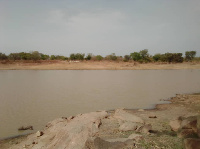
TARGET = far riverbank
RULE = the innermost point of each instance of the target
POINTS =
(94, 65)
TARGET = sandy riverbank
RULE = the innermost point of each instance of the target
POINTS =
(93, 65)
(104, 129)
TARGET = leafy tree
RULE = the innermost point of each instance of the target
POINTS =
(44, 57)
(144, 54)
(98, 58)
(112, 57)
(127, 58)
(89, 56)
(3, 56)
(14, 56)
(157, 57)
(189, 55)
(35, 55)
(172, 57)
(53, 57)
(77, 56)
(136, 56)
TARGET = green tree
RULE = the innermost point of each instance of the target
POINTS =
(3, 56)
(89, 56)
(14, 56)
(98, 58)
(135, 56)
(144, 54)
(53, 57)
(112, 57)
(77, 56)
(157, 57)
(35, 55)
(44, 57)
(189, 55)
(127, 58)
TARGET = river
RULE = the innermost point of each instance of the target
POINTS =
(35, 97)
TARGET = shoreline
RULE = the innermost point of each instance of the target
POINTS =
(180, 105)
(96, 65)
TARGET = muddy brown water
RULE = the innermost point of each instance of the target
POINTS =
(35, 97)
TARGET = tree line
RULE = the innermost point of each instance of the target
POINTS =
(142, 56)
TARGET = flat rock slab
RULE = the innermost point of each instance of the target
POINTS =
(126, 116)
(62, 133)
(127, 126)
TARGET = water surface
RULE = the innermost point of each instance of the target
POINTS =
(35, 97)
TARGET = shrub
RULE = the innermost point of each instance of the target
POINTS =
(98, 58)
(3, 56)
(135, 56)
(127, 58)
(189, 55)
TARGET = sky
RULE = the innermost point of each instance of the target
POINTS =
(62, 27)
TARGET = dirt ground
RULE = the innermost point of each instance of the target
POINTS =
(161, 135)
(92, 65)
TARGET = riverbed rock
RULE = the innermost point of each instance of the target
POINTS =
(136, 137)
(198, 125)
(26, 128)
(186, 133)
(145, 129)
(39, 133)
(118, 143)
(152, 116)
(191, 143)
(175, 124)
(67, 134)
(128, 126)
(126, 116)
(189, 123)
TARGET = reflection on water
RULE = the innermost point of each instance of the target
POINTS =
(35, 97)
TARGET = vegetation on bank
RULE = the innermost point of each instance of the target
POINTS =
(142, 56)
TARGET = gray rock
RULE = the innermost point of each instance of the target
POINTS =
(145, 129)
(175, 124)
(99, 143)
(189, 123)
(198, 125)
(71, 134)
(152, 116)
(117, 140)
(136, 137)
(186, 133)
(126, 116)
(128, 126)
(191, 143)
(26, 128)
(39, 133)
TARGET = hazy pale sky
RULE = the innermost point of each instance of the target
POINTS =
(99, 26)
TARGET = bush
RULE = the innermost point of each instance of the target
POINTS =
(189, 55)
(35, 55)
(3, 56)
(157, 57)
(135, 56)
(44, 57)
(89, 56)
(127, 58)
(112, 57)
(77, 56)
(98, 58)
